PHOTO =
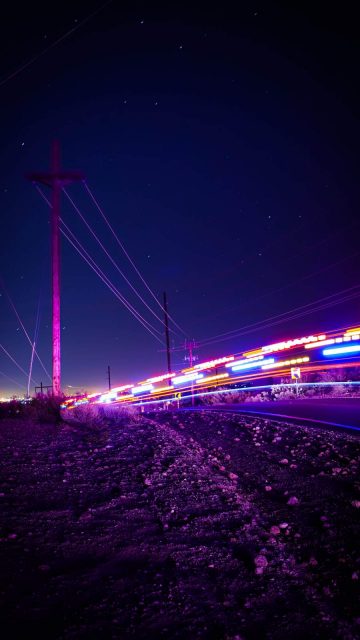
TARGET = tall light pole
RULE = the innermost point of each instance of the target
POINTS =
(56, 179)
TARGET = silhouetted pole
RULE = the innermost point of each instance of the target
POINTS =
(167, 335)
(109, 378)
(190, 346)
(56, 179)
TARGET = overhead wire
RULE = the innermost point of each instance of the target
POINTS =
(122, 247)
(15, 362)
(68, 33)
(88, 226)
(285, 313)
(254, 328)
(84, 254)
(100, 273)
(12, 380)
(22, 326)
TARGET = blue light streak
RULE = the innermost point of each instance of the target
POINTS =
(253, 365)
(354, 348)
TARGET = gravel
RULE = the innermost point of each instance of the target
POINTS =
(178, 525)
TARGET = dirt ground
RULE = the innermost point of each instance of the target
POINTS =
(179, 525)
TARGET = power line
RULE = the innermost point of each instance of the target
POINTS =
(14, 361)
(262, 326)
(22, 326)
(12, 380)
(99, 272)
(84, 254)
(111, 258)
(128, 256)
(68, 33)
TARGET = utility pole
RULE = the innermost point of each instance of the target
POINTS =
(56, 179)
(167, 335)
(190, 345)
(109, 379)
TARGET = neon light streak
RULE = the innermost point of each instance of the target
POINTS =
(124, 398)
(354, 348)
(351, 331)
(162, 389)
(188, 378)
(165, 376)
(141, 389)
(238, 362)
(213, 363)
(321, 343)
(285, 363)
(253, 353)
(211, 378)
(287, 344)
(118, 389)
(252, 365)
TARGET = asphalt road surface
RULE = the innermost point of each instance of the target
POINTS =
(338, 412)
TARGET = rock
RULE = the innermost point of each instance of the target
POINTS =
(293, 501)
(261, 561)
(268, 487)
(275, 531)
(283, 525)
(356, 504)
(233, 476)
(284, 461)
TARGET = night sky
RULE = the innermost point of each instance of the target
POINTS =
(222, 145)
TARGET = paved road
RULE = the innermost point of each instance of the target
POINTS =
(338, 412)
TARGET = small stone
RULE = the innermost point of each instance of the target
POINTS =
(284, 461)
(356, 504)
(268, 487)
(313, 562)
(261, 561)
(283, 525)
(293, 501)
(275, 531)
(233, 476)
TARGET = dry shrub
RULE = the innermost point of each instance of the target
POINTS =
(96, 415)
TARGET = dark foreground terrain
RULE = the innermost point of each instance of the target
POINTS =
(179, 526)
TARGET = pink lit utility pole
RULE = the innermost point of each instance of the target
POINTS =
(56, 179)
